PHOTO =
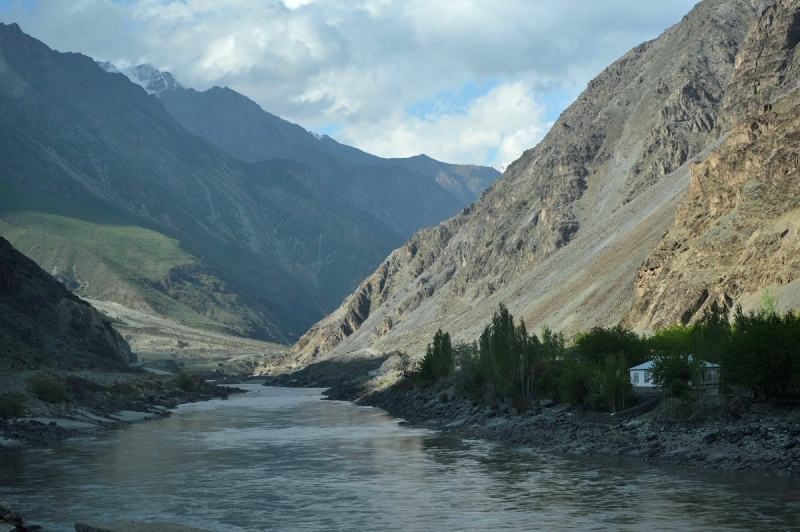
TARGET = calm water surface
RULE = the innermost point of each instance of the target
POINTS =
(282, 459)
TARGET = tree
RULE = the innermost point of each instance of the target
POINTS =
(404, 364)
(597, 344)
(675, 372)
(438, 359)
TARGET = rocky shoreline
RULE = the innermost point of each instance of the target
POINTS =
(111, 400)
(759, 437)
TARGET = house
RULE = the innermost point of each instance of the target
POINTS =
(641, 374)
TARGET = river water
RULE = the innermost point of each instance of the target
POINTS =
(282, 459)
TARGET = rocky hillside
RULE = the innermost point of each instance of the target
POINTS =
(43, 325)
(559, 236)
(150, 216)
(405, 194)
(737, 230)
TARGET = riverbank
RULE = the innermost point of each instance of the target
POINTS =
(756, 437)
(764, 440)
(72, 403)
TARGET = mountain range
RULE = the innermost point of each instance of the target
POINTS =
(404, 193)
(105, 190)
(668, 185)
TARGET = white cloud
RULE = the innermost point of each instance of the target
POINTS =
(494, 129)
(360, 64)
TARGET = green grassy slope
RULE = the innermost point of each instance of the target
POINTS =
(102, 256)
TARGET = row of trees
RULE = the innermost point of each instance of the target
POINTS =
(758, 351)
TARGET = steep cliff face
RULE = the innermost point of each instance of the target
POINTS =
(768, 66)
(43, 325)
(736, 231)
(559, 236)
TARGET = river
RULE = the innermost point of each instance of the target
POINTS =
(282, 459)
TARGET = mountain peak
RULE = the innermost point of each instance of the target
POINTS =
(146, 76)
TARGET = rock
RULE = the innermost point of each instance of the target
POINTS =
(710, 438)
(790, 445)
(5, 507)
(651, 437)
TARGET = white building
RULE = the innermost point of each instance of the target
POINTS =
(641, 374)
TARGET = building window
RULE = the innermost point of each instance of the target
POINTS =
(636, 378)
(646, 376)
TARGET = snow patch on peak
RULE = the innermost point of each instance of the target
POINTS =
(502, 167)
(316, 135)
(151, 79)
(146, 76)
(108, 67)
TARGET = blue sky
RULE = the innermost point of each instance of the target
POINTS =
(466, 81)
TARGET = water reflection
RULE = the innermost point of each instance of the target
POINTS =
(278, 459)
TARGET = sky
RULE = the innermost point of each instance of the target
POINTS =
(463, 81)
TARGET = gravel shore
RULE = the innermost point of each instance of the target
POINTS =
(763, 440)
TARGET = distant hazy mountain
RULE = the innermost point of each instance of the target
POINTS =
(406, 194)
(105, 189)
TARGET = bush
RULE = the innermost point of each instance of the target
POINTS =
(185, 382)
(47, 389)
(81, 388)
(12, 405)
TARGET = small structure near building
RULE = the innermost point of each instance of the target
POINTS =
(641, 375)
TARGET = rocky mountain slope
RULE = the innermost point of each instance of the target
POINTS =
(43, 325)
(737, 230)
(259, 249)
(559, 237)
(405, 194)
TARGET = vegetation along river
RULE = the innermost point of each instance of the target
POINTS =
(282, 459)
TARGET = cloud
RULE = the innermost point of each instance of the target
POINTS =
(366, 68)
(493, 128)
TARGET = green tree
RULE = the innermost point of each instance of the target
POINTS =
(597, 344)
(675, 372)
(438, 360)
(763, 355)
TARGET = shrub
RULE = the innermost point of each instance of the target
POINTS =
(12, 405)
(47, 389)
(81, 388)
(185, 382)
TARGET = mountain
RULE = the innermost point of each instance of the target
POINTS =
(43, 325)
(737, 230)
(559, 237)
(141, 212)
(406, 194)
